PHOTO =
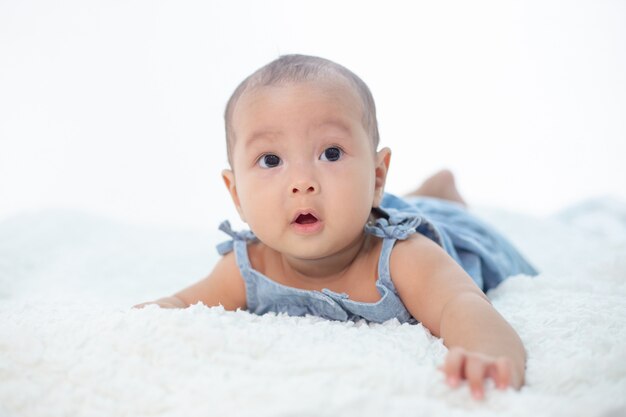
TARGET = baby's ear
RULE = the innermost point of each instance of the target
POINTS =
(383, 158)
(229, 180)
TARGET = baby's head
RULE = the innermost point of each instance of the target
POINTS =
(305, 173)
(294, 69)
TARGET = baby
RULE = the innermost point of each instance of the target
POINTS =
(306, 175)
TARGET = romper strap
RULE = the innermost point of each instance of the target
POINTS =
(243, 237)
(396, 226)
(384, 275)
(391, 226)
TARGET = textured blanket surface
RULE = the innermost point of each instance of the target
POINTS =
(71, 346)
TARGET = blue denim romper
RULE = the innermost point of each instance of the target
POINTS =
(483, 253)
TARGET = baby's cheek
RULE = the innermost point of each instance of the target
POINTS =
(250, 193)
(351, 212)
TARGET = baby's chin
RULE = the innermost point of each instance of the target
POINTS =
(321, 248)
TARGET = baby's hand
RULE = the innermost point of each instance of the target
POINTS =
(142, 305)
(475, 367)
(167, 302)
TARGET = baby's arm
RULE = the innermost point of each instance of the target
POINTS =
(440, 294)
(224, 286)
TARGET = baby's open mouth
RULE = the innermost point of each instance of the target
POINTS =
(306, 218)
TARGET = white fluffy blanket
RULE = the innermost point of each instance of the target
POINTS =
(71, 346)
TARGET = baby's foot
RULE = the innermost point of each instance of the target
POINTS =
(440, 185)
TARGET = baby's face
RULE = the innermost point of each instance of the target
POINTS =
(305, 174)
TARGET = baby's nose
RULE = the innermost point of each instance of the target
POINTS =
(305, 187)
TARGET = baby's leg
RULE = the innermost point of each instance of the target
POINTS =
(440, 185)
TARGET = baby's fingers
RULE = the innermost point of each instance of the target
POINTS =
(476, 369)
(501, 372)
(147, 303)
(453, 366)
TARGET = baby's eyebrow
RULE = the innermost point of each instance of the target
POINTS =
(335, 124)
(272, 134)
(262, 134)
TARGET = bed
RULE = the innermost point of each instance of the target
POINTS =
(70, 345)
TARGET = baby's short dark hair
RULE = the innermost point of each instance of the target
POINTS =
(300, 68)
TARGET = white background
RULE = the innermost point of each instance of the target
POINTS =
(115, 107)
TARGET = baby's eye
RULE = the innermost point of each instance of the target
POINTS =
(331, 154)
(269, 161)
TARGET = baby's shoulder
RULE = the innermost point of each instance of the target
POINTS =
(413, 242)
(416, 253)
